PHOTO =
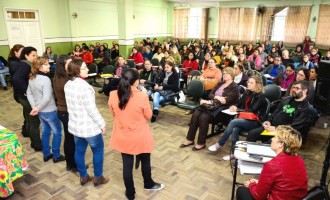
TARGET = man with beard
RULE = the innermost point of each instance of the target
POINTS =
(294, 110)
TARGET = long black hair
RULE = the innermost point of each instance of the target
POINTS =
(60, 67)
(128, 78)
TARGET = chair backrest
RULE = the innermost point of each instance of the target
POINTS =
(131, 63)
(195, 73)
(268, 108)
(154, 62)
(195, 88)
(109, 69)
(273, 92)
(317, 194)
(92, 68)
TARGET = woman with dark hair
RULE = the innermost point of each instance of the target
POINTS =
(205, 64)
(20, 84)
(307, 43)
(165, 88)
(85, 122)
(60, 80)
(287, 78)
(93, 51)
(86, 55)
(76, 52)
(137, 57)
(273, 52)
(115, 52)
(131, 134)
(49, 53)
(297, 53)
(148, 77)
(41, 98)
(184, 52)
(159, 54)
(188, 65)
(249, 50)
(105, 57)
(240, 77)
(167, 57)
(284, 177)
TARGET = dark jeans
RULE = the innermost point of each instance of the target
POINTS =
(243, 193)
(128, 161)
(69, 146)
(255, 135)
(32, 123)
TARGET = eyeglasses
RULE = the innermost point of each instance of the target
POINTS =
(296, 88)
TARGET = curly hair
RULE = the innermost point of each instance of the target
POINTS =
(36, 65)
(290, 138)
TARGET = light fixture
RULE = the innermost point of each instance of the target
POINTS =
(314, 19)
(210, 19)
(74, 15)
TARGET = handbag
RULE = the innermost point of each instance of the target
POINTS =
(167, 94)
(213, 106)
(248, 115)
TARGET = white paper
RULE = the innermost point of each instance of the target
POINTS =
(267, 76)
(249, 167)
(228, 112)
(262, 150)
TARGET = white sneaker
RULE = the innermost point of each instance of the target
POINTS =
(229, 157)
(214, 147)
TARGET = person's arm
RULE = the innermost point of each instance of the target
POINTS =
(90, 58)
(30, 97)
(232, 96)
(47, 93)
(172, 85)
(110, 105)
(147, 113)
(218, 75)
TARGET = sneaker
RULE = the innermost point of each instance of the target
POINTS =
(156, 187)
(101, 180)
(229, 157)
(214, 147)
(59, 159)
(85, 180)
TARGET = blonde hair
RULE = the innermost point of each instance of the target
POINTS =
(290, 138)
(259, 84)
(36, 65)
(230, 71)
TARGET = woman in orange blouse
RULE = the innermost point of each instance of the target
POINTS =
(210, 77)
(131, 134)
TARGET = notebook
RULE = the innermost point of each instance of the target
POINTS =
(260, 149)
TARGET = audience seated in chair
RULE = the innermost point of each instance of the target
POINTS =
(86, 55)
(306, 63)
(105, 57)
(137, 57)
(284, 80)
(252, 101)
(3, 71)
(256, 59)
(148, 53)
(158, 54)
(224, 95)
(76, 52)
(148, 77)
(210, 77)
(189, 64)
(274, 70)
(293, 110)
(240, 77)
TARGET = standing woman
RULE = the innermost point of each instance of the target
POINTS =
(41, 97)
(60, 80)
(20, 84)
(85, 122)
(131, 133)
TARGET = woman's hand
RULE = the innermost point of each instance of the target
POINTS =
(202, 101)
(103, 130)
(156, 87)
(221, 99)
(247, 183)
(142, 81)
(271, 128)
(232, 108)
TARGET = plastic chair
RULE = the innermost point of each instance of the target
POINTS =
(317, 194)
(92, 73)
(195, 89)
(273, 92)
(154, 62)
(131, 64)
(108, 72)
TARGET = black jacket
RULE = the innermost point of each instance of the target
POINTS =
(13, 64)
(21, 80)
(257, 104)
(150, 80)
(172, 82)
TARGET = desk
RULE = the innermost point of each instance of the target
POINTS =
(12, 161)
(241, 155)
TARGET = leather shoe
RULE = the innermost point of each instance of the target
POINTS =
(186, 145)
(100, 181)
(85, 180)
(59, 159)
(100, 91)
(73, 169)
(48, 157)
(197, 149)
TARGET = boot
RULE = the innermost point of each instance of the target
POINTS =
(154, 115)
(100, 181)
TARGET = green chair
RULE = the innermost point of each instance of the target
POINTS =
(154, 62)
(92, 73)
(108, 72)
(131, 64)
(195, 89)
(273, 92)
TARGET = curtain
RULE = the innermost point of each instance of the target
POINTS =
(229, 24)
(248, 24)
(203, 24)
(181, 23)
(296, 24)
(322, 36)
(265, 24)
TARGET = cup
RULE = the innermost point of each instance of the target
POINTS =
(325, 125)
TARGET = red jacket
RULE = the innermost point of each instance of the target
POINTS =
(282, 178)
(193, 65)
(138, 58)
(87, 57)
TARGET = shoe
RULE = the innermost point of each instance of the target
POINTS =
(100, 181)
(59, 159)
(73, 169)
(5, 88)
(48, 157)
(100, 91)
(189, 112)
(156, 187)
(197, 149)
(214, 147)
(154, 115)
(85, 180)
(37, 148)
(186, 145)
(128, 197)
(229, 157)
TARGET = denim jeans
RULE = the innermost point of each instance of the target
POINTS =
(157, 99)
(97, 145)
(50, 122)
(234, 128)
(2, 77)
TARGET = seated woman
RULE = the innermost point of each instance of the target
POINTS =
(86, 55)
(148, 53)
(188, 65)
(137, 57)
(184, 52)
(256, 59)
(297, 53)
(159, 54)
(176, 56)
(49, 54)
(105, 57)
(247, 64)
(253, 101)
(115, 51)
(165, 88)
(226, 94)
(113, 83)
(210, 77)
(148, 77)
(76, 52)
(205, 64)
(93, 51)
(306, 63)
(287, 78)
(273, 52)
(216, 57)
(228, 61)
(284, 177)
(167, 57)
(240, 77)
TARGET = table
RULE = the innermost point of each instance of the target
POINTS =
(12, 161)
(243, 158)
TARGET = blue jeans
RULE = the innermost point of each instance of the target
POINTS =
(50, 122)
(2, 77)
(97, 145)
(234, 128)
(157, 99)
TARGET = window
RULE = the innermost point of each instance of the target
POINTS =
(189, 23)
(19, 15)
(279, 25)
(195, 23)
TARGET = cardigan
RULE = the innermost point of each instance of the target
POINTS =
(59, 93)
